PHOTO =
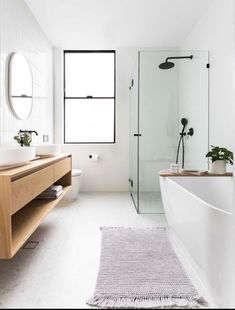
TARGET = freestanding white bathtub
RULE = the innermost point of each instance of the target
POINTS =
(199, 211)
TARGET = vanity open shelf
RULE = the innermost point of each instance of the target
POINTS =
(20, 212)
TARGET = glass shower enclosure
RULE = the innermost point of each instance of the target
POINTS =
(159, 99)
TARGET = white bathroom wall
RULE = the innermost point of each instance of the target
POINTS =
(111, 173)
(233, 236)
(214, 32)
(20, 32)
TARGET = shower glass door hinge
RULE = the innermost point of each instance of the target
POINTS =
(131, 181)
(208, 66)
(132, 82)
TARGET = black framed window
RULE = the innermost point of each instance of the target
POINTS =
(89, 96)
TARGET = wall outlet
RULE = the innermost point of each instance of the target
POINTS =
(45, 138)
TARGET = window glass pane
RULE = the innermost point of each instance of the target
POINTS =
(89, 74)
(89, 120)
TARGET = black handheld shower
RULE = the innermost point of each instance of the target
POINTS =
(184, 122)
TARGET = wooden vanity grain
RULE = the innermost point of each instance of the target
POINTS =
(20, 212)
(193, 174)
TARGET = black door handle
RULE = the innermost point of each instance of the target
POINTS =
(137, 135)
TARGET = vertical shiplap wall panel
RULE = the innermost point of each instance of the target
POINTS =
(20, 32)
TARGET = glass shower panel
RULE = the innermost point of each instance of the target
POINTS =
(158, 125)
(134, 140)
(193, 105)
(160, 98)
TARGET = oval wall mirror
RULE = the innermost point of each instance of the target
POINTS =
(20, 86)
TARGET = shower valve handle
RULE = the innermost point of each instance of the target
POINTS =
(190, 132)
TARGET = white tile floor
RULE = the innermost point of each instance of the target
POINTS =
(150, 203)
(61, 272)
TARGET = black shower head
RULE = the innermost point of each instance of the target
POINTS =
(168, 65)
(184, 121)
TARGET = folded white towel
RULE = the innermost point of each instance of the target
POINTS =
(54, 188)
(50, 195)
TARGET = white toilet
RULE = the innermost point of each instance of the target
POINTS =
(72, 194)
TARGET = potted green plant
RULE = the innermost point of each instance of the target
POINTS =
(23, 138)
(220, 156)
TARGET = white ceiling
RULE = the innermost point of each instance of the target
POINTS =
(93, 24)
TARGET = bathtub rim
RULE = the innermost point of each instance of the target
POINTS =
(170, 179)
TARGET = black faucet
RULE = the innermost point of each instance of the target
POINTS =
(29, 131)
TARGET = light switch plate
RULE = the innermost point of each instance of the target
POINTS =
(45, 138)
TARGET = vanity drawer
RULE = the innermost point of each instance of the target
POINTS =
(61, 168)
(27, 188)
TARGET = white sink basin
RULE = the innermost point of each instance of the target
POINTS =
(48, 149)
(15, 156)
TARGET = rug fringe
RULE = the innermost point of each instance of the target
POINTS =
(131, 228)
(115, 302)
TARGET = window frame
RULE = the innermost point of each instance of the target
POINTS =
(114, 98)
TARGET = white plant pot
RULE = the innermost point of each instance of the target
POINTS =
(218, 167)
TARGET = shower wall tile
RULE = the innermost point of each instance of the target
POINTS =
(20, 32)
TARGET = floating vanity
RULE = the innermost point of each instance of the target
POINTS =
(20, 212)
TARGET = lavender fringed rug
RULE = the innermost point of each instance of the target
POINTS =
(139, 269)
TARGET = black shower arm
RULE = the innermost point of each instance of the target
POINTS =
(180, 57)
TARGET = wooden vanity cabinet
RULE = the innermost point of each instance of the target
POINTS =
(20, 212)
